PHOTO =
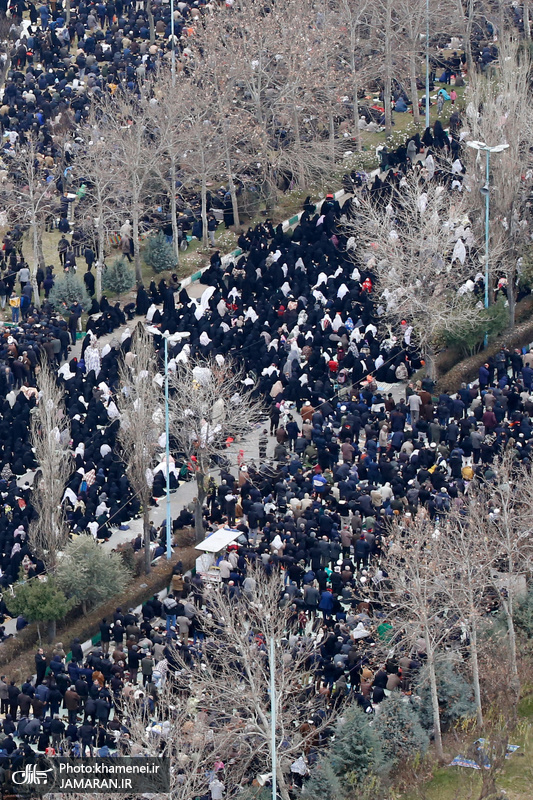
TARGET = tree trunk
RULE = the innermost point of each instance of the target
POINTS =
(281, 783)
(429, 358)
(468, 35)
(100, 258)
(50, 631)
(527, 24)
(414, 90)
(151, 22)
(298, 147)
(136, 250)
(507, 604)
(200, 499)
(204, 211)
(173, 207)
(511, 299)
(434, 702)
(332, 136)
(36, 247)
(475, 670)
(357, 132)
(388, 69)
(67, 12)
(146, 536)
(231, 184)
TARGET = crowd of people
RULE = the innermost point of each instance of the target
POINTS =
(338, 459)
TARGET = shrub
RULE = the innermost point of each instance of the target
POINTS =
(159, 254)
(456, 695)
(88, 574)
(469, 336)
(356, 756)
(68, 289)
(523, 614)
(399, 729)
(39, 601)
(118, 277)
(323, 782)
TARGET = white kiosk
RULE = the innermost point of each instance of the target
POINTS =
(211, 547)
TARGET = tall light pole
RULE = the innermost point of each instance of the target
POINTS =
(166, 336)
(485, 191)
(427, 63)
(273, 716)
(173, 56)
(167, 458)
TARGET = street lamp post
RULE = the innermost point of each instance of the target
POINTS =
(427, 63)
(167, 458)
(273, 716)
(173, 54)
(166, 336)
(485, 191)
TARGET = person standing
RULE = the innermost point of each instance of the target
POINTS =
(71, 702)
(105, 635)
(62, 247)
(75, 314)
(24, 277)
(4, 696)
(40, 665)
(211, 228)
(147, 668)
(14, 302)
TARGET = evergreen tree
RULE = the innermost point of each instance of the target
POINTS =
(456, 694)
(118, 277)
(399, 729)
(89, 575)
(323, 783)
(159, 254)
(356, 755)
(523, 614)
(40, 601)
(67, 289)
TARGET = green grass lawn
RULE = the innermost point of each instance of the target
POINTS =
(458, 783)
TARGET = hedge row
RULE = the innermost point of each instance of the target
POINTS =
(17, 654)
(452, 374)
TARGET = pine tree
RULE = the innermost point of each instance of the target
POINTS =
(118, 277)
(67, 289)
(159, 254)
(356, 756)
(399, 729)
(456, 694)
(323, 783)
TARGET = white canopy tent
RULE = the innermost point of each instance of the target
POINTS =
(211, 547)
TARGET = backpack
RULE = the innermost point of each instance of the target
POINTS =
(169, 604)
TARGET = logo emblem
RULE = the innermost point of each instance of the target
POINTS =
(31, 775)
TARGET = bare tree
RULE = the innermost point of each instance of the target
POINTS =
(50, 437)
(499, 111)
(352, 16)
(96, 166)
(506, 517)
(415, 597)
(135, 147)
(31, 197)
(234, 679)
(411, 245)
(209, 405)
(141, 424)
(464, 567)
